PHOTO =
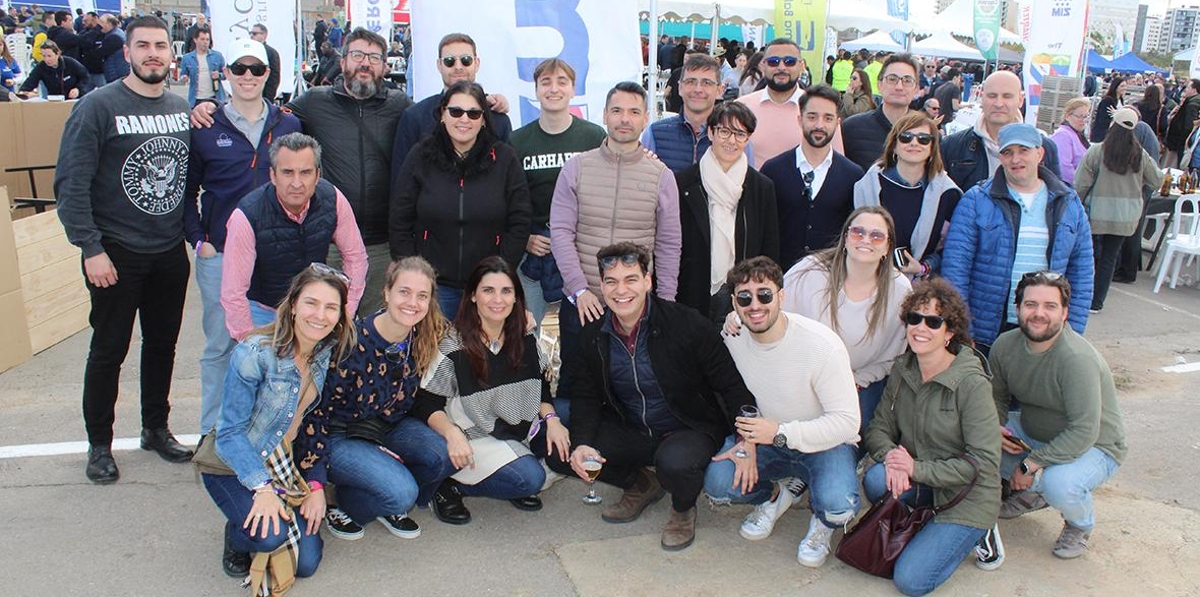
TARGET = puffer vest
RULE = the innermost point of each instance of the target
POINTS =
(284, 246)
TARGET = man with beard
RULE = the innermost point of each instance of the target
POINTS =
(814, 185)
(354, 121)
(680, 140)
(1070, 432)
(799, 373)
(866, 133)
(119, 201)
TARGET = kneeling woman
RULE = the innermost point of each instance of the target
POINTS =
(936, 409)
(272, 386)
(492, 400)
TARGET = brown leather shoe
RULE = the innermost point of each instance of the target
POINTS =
(680, 530)
(644, 491)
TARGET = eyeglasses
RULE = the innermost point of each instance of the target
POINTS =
(239, 69)
(745, 297)
(788, 61)
(933, 108)
(895, 79)
(465, 59)
(724, 133)
(693, 82)
(932, 322)
(374, 58)
(257, 32)
(456, 112)
(907, 137)
(326, 270)
(630, 259)
(858, 233)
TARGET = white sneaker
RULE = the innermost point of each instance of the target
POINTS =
(814, 548)
(551, 477)
(761, 521)
(797, 487)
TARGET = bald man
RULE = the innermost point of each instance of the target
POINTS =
(972, 156)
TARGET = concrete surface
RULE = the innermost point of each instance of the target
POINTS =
(157, 533)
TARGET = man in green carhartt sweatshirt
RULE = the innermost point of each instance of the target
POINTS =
(1069, 417)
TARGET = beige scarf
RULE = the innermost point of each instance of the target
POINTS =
(724, 190)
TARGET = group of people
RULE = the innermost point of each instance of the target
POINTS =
(374, 273)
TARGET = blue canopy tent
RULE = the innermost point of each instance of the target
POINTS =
(1130, 63)
(1097, 63)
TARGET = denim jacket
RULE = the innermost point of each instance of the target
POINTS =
(262, 392)
(189, 65)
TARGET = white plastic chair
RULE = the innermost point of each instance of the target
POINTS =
(1181, 246)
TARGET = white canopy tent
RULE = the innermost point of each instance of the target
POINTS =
(864, 15)
(958, 18)
(880, 41)
(943, 45)
(740, 12)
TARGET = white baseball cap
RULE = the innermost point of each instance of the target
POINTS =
(246, 47)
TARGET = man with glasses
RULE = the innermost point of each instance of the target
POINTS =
(1068, 437)
(799, 372)
(776, 107)
(1023, 219)
(814, 185)
(240, 135)
(283, 227)
(656, 387)
(258, 33)
(933, 109)
(866, 133)
(680, 140)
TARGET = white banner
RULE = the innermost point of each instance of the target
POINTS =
(232, 19)
(598, 38)
(1053, 34)
(374, 15)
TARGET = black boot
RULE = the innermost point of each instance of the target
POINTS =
(101, 468)
(532, 503)
(448, 504)
(236, 563)
(169, 448)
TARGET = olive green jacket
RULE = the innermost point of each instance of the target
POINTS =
(1114, 201)
(937, 422)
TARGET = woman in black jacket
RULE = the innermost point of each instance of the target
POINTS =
(727, 213)
(62, 75)
(461, 196)
(1154, 112)
(1113, 99)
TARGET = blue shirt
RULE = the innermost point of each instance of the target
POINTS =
(1033, 238)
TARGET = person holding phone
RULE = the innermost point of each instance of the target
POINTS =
(911, 182)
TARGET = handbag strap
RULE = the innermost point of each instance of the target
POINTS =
(962, 494)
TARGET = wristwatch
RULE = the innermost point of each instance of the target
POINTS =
(1025, 468)
(780, 440)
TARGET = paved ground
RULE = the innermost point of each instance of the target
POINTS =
(157, 533)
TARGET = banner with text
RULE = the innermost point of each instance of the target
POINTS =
(374, 15)
(232, 19)
(598, 38)
(987, 27)
(898, 9)
(803, 21)
(1053, 34)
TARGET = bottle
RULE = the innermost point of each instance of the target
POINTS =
(1165, 191)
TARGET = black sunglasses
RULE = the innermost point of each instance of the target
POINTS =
(1042, 276)
(774, 61)
(745, 297)
(932, 322)
(240, 69)
(922, 138)
(607, 262)
(456, 112)
(397, 355)
(465, 59)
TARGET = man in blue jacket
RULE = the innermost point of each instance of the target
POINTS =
(680, 140)
(1023, 219)
(201, 69)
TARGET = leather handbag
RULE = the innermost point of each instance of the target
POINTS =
(206, 460)
(374, 430)
(878, 539)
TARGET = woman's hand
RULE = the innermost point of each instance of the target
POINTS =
(459, 448)
(266, 511)
(912, 267)
(313, 510)
(558, 438)
(898, 464)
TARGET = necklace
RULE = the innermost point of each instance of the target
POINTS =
(495, 346)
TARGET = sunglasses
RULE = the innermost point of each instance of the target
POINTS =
(607, 262)
(473, 113)
(932, 322)
(858, 233)
(325, 270)
(1043, 276)
(788, 61)
(745, 297)
(239, 69)
(922, 138)
(397, 354)
(465, 59)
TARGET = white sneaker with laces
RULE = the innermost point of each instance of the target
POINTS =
(761, 521)
(797, 487)
(814, 548)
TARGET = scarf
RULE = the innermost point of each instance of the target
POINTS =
(272, 574)
(724, 190)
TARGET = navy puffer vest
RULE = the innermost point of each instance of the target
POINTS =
(285, 247)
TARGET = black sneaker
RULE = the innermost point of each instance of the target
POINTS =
(342, 526)
(989, 552)
(401, 526)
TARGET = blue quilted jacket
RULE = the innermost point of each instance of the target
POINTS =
(981, 246)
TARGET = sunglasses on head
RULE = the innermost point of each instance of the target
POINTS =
(923, 138)
(1043, 276)
(857, 233)
(239, 69)
(465, 59)
(326, 270)
(745, 298)
(932, 322)
(774, 61)
(607, 262)
(473, 113)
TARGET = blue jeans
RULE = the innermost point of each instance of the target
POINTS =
(371, 483)
(535, 301)
(936, 551)
(449, 299)
(520, 478)
(235, 501)
(833, 486)
(214, 359)
(261, 314)
(868, 401)
(1066, 487)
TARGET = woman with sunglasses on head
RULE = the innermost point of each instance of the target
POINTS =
(383, 458)
(910, 181)
(727, 212)
(488, 396)
(857, 97)
(273, 496)
(936, 430)
(461, 195)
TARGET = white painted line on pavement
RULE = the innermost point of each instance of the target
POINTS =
(126, 443)
(1153, 302)
(1184, 368)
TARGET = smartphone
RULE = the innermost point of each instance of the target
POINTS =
(898, 257)
(1020, 442)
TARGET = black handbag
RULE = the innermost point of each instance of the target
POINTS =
(374, 430)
